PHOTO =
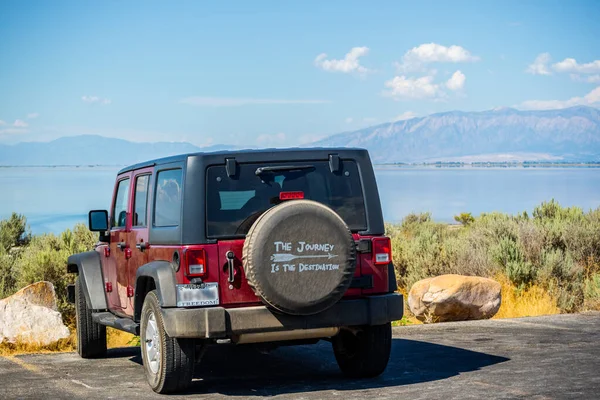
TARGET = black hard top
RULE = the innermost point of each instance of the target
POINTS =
(194, 165)
(253, 155)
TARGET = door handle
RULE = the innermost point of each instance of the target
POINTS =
(142, 246)
(230, 257)
(122, 245)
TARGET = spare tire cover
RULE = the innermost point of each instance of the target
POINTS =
(299, 257)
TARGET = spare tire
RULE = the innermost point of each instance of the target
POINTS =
(299, 257)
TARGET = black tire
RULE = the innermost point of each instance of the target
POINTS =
(318, 276)
(91, 337)
(174, 364)
(363, 353)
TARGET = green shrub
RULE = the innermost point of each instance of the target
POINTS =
(551, 210)
(13, 233)
(509, 255)
(418, 249)
(413, 219)
(557, 249)
(7, 280)
(592, 292)
(31, 259)
(464, 218)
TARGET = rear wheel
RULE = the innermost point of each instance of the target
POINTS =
(168, 362)
(364, 352)
(91, 337)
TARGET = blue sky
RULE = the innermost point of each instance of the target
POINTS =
(282, 72)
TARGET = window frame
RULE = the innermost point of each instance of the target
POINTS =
(155, 197)
(114, 205)
(133, 209)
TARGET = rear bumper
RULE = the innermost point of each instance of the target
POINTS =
(219, 322)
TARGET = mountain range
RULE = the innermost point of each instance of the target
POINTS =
(92, 150)
(502, 134)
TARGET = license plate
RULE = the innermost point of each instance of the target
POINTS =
(205, 294)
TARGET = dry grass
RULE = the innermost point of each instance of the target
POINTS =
(19, 347)
(530, 302)
(114, 338)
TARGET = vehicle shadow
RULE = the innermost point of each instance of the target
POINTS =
(248, 372)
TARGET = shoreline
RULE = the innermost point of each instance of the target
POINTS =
(382, 166)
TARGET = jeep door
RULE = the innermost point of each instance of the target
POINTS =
(140, 216)
(120, 222)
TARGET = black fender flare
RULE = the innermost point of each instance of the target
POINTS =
(162, 275)
(89, 268)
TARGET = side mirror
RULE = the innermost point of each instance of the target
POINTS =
(98, 220)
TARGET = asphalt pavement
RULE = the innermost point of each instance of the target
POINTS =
(530, 358)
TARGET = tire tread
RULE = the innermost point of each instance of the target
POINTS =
(91, 336)
(370, 352)
(178, 359)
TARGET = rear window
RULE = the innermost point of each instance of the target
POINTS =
(233, 204)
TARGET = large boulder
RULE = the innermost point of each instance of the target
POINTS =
(454, 298)
(31, 316)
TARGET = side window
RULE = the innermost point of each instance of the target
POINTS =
(167, 206)
(119, 212)
(140, 200)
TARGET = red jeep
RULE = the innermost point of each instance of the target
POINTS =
(269, 246)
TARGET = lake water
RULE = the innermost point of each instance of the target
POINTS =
(56, 198)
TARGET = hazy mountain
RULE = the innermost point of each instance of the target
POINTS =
(502, 134)
(92, 150)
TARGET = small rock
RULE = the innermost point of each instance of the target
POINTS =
(454, 298)
(31, 316)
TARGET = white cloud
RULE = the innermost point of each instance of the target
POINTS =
(20, 124)
(32, 115)
(402, 87)
(349, 120)
(586, 79)
(405, 115)
(2, 122)
(457, 81)
(271, 140)
(95, 99)
(90, 99)
(571, 65)
(349, 64)
(433, 52)
(590, 99)
(540, 65)
(240, 101)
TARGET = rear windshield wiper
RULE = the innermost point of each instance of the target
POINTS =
(275, 168)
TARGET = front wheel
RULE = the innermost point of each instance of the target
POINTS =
(168, 362)
(363, 352)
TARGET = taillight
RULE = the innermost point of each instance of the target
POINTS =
(382, 250)
(196, 263)
(291, 195)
